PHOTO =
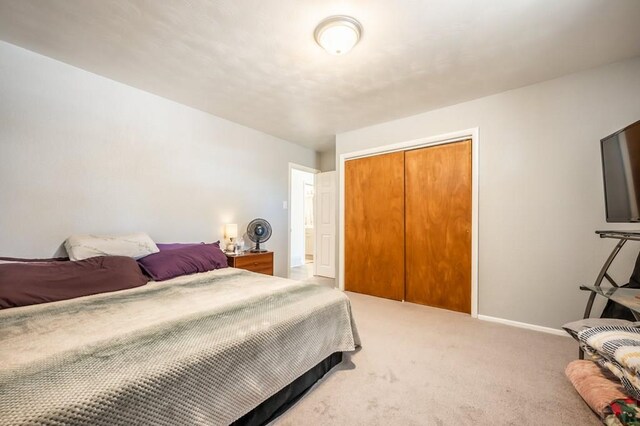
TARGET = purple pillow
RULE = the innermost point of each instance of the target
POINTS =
(183, 261)
(30, 283)
(173, 246)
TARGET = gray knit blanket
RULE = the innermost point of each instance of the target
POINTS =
(198, 350)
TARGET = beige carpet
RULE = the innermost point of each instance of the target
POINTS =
(426, 366)
(302, 272)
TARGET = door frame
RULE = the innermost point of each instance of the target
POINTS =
(458, 136)
(304, 169)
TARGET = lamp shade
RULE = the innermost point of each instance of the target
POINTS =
(231, 230)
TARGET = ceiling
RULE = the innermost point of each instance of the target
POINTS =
(255, 61)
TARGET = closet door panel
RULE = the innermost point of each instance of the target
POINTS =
(438, 226)
(374, 225)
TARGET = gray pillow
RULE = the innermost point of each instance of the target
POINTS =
(137, 245)
(573, 328)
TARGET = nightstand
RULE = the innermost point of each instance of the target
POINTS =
(254, 262)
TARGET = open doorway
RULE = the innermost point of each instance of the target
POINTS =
(301, 242)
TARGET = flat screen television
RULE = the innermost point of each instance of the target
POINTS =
(621, 170)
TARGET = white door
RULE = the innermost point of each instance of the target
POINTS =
(325, 225)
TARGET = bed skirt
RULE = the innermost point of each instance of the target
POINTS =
(280, 402)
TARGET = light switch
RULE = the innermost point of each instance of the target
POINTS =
(284, 205)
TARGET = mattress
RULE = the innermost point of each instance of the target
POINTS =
(203, 349)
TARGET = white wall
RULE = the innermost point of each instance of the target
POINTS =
(82, 153)
(298, 180)
(541, 193)
(327, 160)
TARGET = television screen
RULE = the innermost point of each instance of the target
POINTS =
(621, 169)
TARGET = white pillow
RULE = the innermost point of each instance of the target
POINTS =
(136, 245)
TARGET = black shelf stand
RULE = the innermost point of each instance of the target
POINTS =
(622, 237)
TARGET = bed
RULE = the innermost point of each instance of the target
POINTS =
(211, 348)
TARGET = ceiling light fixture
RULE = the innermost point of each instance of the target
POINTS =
(338, 34)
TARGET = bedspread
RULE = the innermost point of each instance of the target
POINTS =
(201, 349)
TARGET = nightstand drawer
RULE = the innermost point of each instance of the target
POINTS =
(267, 270)
(255, 262)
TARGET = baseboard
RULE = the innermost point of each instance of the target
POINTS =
(534, 327)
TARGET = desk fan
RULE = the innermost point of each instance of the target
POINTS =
(258, 231)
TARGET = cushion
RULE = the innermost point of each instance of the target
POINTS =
(573, 328)
(183, 261)
(23, 284)
(596, 386)
(136, 245)
(173, 246)
(616, 348)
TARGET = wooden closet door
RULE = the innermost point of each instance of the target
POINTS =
(438, 226)
(374, 225)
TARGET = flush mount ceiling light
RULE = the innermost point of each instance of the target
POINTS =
(338, 34)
